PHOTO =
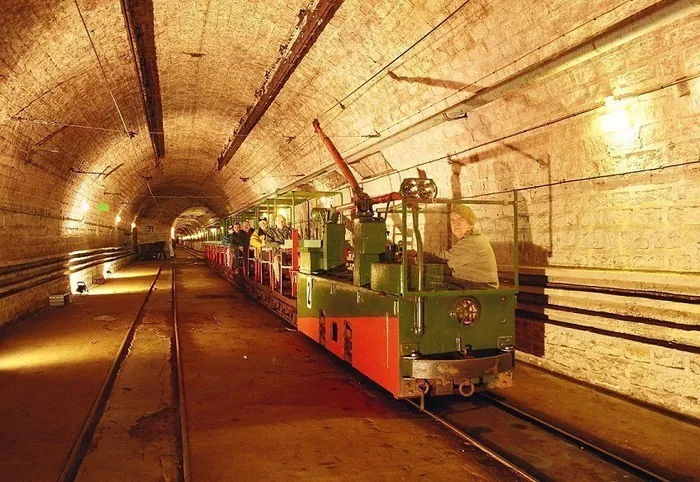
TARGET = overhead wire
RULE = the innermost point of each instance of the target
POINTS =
(96, 128)
(369, 79)
(99, 62)
(552, 122)
(494, 72)
(130, 134)
(446, 19)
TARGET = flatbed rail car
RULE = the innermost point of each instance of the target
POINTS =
(396, 318)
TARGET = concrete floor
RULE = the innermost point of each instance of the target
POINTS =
(665, 443)
(52, 368)
(263, 402)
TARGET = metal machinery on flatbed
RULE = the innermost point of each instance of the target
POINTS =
(396, 318)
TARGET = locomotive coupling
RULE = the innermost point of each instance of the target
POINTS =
(467, 388)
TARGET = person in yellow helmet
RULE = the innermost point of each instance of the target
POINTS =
(471, 257)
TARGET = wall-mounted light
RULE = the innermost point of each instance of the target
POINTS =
(617, 118)
(133, 225)
(117, 219)
(172, 232)
(618, 127)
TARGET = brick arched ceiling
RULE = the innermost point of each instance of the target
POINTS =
(193, 220)
(105, 101)
(75, 104)
(213, 100)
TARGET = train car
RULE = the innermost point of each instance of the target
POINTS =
(392, 312)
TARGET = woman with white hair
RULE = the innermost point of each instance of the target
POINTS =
(276, 236)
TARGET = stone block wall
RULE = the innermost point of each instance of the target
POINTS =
(27, 285)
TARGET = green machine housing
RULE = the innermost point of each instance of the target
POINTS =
(325, 254)
(369, 241)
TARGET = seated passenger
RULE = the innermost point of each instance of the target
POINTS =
(257, 239)
(244, 237)
(226, 241)
(471, 257)
(275, 238)
(277, 234)
(235, 237)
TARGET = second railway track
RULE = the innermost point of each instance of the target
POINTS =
(156, 324)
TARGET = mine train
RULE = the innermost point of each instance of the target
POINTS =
(386, 310)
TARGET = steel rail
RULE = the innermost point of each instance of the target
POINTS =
(184, 434)
(460, 433)
(590, 446)
(75, 458)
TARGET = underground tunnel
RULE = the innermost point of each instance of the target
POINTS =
(346, 239)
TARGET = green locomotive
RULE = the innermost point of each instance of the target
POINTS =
(404, 324)
(392, 312)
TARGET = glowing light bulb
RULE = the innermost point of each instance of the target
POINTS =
(117, 219)
(615, 121)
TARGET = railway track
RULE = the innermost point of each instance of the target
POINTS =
(86, 438)
(532, 447)
(536, 449)
(184, 437)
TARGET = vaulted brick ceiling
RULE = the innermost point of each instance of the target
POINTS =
(81, 78)
(123, 102)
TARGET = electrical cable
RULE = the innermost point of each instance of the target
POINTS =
(106, 129)
(451, 94)
(130, 134)
(59, 218)
(404, 52)
(423, 37)
(493, 73)
(99, 62)
(548, 124)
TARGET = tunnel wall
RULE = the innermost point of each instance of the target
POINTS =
(153, 229)
(40, 247)
(588, 109)
(25, 286)
(609, 215)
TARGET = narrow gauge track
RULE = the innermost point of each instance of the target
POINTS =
(536, 449)
(85, 438)
(184, 435)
